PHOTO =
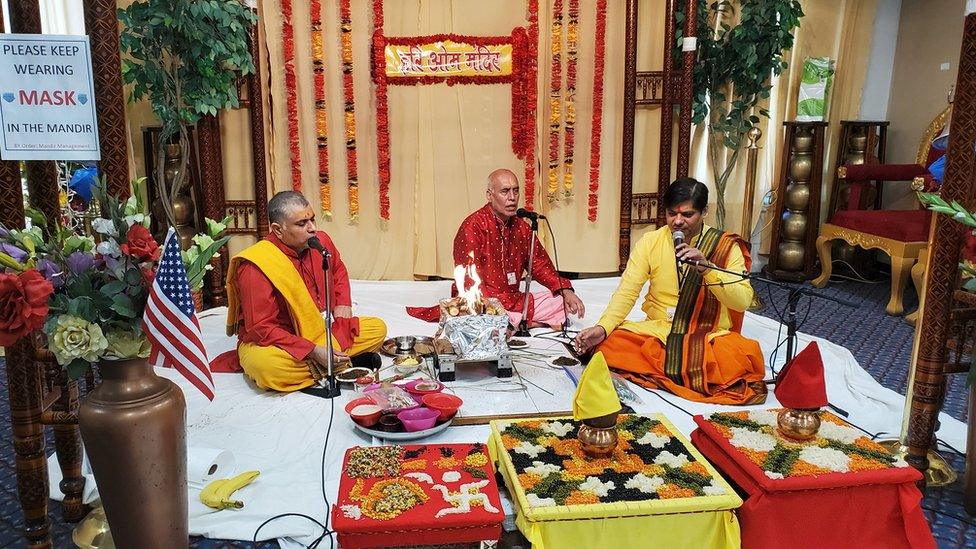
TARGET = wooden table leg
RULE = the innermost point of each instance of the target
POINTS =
(24, 386)
(67, 446)
(969, 489)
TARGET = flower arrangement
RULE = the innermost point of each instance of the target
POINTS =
(206, 246)
(88, 293)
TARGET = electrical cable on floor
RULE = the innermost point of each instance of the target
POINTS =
(947, 445)
(326, 533)
(950, 515)
(673, 405)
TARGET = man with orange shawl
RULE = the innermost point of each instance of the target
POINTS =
(689, 344)
(276, 295)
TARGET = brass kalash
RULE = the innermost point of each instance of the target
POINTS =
(475, 326)
(93, 532)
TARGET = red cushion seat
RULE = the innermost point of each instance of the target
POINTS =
(902, 225)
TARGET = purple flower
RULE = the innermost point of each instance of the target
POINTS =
(14, 252)
(51, 271)
(79, 262)
(4, 233)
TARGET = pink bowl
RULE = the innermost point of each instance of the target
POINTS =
(418, 419)
(367, 420)
(444, 403)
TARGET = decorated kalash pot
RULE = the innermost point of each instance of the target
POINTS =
(475, 327)
(801, 390)
(597, 406)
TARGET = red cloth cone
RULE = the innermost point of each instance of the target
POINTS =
(800, 384)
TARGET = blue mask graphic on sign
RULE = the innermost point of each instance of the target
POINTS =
(8, 97)
(82, 98)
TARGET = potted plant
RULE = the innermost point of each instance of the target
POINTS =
(88, 294)
(739, 53)
(196, 258)
(184, 56)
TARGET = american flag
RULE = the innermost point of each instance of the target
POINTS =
(170, 321)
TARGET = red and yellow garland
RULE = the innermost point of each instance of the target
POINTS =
(382, 114)
(600, 53)
(349, 107)
(555, 96)
(291, 81)
(529, 87)
(321, 127)
(572, 41)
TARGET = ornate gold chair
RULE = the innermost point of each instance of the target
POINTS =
(902, 234)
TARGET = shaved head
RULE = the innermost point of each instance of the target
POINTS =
(503, 193)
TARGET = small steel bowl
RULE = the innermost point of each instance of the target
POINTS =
(405, 344)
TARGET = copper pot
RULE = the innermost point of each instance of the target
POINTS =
(798, 425)
(597, 442)
(134, 429)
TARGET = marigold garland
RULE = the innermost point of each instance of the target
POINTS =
(597, 129)
(555, 96)
(530, 80)
(349, 107)
(382, 113)
(572, 41)
(291, 83)
(321, 126)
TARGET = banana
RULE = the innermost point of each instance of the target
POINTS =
(218, 493)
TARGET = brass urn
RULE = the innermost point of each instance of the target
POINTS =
(798, 425)
(598, 436)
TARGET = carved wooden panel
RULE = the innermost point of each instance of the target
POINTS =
(245, 219)
(257, 138)
(644, 208)
(103, 33)
(650, 86)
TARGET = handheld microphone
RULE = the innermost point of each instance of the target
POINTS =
(316, 244)
(522, 212)
(679, 238)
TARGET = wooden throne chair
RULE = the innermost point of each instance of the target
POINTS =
(858, 220)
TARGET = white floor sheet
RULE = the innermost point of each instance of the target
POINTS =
(282, 435)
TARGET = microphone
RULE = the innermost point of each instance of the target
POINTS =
(522, 212)
(679, 238)
(316, 244)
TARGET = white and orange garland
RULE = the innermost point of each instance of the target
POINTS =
(291, 82)
(349, 107)
(572, 58)
(321, 126)
(595, 132)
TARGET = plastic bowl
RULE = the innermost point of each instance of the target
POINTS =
(423, 387)
(444, 403)
(418, 419)
(366, 420)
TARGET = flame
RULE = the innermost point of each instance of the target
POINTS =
(473, 294)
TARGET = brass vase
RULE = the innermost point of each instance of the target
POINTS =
(598, 436)
(798, 425)
(134, 429)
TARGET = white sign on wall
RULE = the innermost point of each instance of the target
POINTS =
(47, 98)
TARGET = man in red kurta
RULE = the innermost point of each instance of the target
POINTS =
(277, 295)
(497, 243)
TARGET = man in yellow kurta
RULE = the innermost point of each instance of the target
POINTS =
(689, 344)
(276, 298)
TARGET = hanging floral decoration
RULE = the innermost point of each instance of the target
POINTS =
(531, 70)
(595, 132)
(349, 107)
(382, 114)
(321, 127)
(291, 84)
(572, 54)
(555, 96)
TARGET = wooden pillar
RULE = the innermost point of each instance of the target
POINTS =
(103, 32)
(42, 175)
(942, 269)
(667, 109)
(630, 108)
(257, 137)
(688, 56)
(209, 153)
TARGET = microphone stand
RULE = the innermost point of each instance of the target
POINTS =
(523, 327)
(791, 303)
(332, 387)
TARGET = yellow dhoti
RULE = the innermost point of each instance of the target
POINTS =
(272, 368)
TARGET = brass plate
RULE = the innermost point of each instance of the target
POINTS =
(424, 345)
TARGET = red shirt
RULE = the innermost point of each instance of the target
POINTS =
(500, 253)
(264, 312)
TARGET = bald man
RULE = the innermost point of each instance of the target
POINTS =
(497, 243)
